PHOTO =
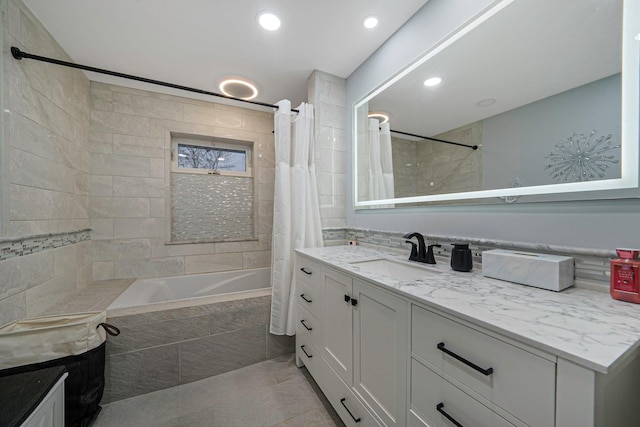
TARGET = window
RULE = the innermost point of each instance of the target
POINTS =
(212, 190)
(213, 156)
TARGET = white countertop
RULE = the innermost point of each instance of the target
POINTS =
(586, 327)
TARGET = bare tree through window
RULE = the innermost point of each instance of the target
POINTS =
(212, 158)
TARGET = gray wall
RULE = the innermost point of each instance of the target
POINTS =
(517, 141)
(602, 224)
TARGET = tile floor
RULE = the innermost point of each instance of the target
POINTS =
(270, 393)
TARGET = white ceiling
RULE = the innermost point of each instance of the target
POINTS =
(198, 42)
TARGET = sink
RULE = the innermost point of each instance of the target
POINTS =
(394, 269)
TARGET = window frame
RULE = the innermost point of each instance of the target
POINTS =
(232, 145)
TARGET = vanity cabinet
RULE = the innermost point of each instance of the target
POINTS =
(385, 356)
(363, 349)
(518, 381)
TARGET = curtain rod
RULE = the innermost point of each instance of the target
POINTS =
(18, 54)
(473, 147)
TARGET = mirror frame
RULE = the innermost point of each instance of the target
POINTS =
(629, 151)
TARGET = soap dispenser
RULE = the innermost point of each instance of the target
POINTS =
(461, 259)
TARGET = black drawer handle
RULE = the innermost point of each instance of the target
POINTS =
(347, 298)
(345, 407)
(307, 300)
(305, 325)
(305, 352)
(486, 372)
(305, 271)
(354, 302)
(439, 407)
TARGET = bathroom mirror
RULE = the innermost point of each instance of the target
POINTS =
(546, 90)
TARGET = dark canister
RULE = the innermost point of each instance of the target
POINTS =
(461, 259)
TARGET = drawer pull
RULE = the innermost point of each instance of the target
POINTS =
(486, 372)
(347, 298)
(305, 325)
(307, 300)
(345, 407)
(305, 352)
(439, 407)
(305, 271)
(354, 302)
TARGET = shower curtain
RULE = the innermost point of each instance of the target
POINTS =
(296, 211)
(380, 161)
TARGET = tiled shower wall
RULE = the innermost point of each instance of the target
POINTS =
(328, 95)
(130, 142)
(45, 171)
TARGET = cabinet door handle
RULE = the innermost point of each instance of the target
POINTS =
(439, 407)
(354, 302)
(345, 407)
(307, 300)
(305, 352)
(347, 298)
(305, 271)
(305, 325)
(486, 372)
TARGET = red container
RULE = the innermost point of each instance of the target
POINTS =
(625, 276)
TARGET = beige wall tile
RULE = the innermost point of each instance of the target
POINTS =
(101, 186)
(256, 259)
(101, 229)
(119, 207)
(103, 270)
(125, 228)
(108, 164)
(213, 262)
(150, 267)
(109, 250)
(47, 294)
(124, 186)
(145, 106)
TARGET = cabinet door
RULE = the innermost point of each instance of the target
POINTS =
(337, 323)
(380, 352)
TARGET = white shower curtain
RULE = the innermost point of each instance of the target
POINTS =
(380, 161)
(296, 211)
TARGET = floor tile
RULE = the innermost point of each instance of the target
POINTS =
(273, 393)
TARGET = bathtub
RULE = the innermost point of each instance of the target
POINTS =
(145, 295)
(181, 329)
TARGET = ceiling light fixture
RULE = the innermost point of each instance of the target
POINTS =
(370, 22)
(269, 21)
(486, 102)
(432, 81)
(383, 117)
(236, 88)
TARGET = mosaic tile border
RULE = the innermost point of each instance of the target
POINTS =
(21, 246)
(591, 265)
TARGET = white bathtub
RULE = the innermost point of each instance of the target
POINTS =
(182, 291)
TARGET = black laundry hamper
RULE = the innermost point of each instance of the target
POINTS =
(75, 341)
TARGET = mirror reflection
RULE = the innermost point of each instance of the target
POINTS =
(530, 97)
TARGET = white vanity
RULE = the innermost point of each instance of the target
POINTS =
(440, 348)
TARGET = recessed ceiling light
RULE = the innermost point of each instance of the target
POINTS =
(370, 22)
(432, 81)
(486, 102)
(383, 117)
(236, 88)
(269, 21)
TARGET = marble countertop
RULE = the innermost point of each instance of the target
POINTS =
(584, 326)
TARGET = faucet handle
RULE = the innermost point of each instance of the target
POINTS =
(430, 258)
(414, 251)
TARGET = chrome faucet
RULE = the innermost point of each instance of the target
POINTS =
(420, 253)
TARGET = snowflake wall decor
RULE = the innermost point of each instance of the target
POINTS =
(581, 158)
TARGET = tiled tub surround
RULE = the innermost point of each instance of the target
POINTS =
(162, 349)
(130, 143)
(583, 326)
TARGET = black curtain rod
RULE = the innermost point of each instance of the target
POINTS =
(473, 147)
(18, 54)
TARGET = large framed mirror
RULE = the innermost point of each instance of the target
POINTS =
(533, 99)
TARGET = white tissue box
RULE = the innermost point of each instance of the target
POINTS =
(551, 272)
